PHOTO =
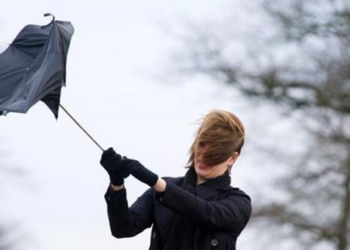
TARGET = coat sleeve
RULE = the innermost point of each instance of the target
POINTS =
(125, 221)
(231, 213)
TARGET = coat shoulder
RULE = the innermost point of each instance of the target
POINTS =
(238, 192)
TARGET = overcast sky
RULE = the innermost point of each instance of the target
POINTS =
(117, 53)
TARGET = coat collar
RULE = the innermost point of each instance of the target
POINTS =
(207, 190)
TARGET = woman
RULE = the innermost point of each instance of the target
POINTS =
(198, 211)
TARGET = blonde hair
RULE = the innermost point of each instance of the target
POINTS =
(222, 134)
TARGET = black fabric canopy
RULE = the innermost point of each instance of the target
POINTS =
(33, 67)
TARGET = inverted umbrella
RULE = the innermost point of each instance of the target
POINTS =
(33, 68)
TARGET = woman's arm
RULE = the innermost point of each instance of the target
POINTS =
(125, 221)
(160, 185)
(231, 213)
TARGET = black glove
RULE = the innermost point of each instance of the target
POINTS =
(140, 172)
(113, 163)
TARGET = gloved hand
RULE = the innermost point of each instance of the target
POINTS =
(140, 172)
(113, 163)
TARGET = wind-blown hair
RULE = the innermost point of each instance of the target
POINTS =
(220, 134)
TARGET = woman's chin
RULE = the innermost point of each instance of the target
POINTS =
(202, 171)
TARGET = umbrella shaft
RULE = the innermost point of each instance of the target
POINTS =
(81, 127)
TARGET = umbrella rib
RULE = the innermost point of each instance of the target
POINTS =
(81, 127)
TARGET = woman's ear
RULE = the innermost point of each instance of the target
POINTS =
(233, 158)
(231, 161)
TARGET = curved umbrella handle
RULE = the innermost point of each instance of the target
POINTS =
(53, 19)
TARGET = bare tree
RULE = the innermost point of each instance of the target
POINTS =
(298, 57)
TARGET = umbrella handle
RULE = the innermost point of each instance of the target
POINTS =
(81, 127)
(53, 19)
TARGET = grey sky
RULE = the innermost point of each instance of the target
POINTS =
(116, 50)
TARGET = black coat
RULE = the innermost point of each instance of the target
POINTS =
(221, 214)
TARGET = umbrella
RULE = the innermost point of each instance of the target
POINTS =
(33, 68)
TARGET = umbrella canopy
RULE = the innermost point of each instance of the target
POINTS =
(33, 67)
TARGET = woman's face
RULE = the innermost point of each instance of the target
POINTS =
(205, 172)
